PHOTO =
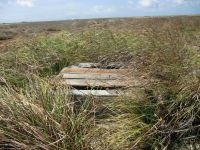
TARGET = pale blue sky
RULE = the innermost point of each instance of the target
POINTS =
(44, 10)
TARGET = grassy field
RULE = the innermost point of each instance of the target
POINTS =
(36, 112)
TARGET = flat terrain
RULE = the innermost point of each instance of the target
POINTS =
(28, 29)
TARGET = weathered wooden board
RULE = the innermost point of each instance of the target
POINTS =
(89, 65)
(104, 93)
(95, 70)
(97, 83)
(96, 76)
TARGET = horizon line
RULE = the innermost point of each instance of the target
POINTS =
(99, 18)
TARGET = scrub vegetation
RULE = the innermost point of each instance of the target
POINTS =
(36, 112)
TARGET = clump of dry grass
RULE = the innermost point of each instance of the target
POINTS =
(44, 117)
(8, 34)
(173, 87)
(165, 113)
(126, 126)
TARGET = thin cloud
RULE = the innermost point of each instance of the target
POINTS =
(130, 2)
(179, 1)
(26, 3)
(103, 9)
(147, 3)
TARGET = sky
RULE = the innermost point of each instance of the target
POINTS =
(49, 10)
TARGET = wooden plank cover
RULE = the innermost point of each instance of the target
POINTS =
(95, 70)
(96, 76)
(97, 83)
(104, 93)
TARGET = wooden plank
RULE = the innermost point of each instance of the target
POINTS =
(95, 70)
(93, 76)
(104, 93)
(89, 65)
(97, 83)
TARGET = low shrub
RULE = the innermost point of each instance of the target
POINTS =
(6, 35)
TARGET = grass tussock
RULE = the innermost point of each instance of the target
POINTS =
(165, 113)
(43, 117)
(6, 35)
